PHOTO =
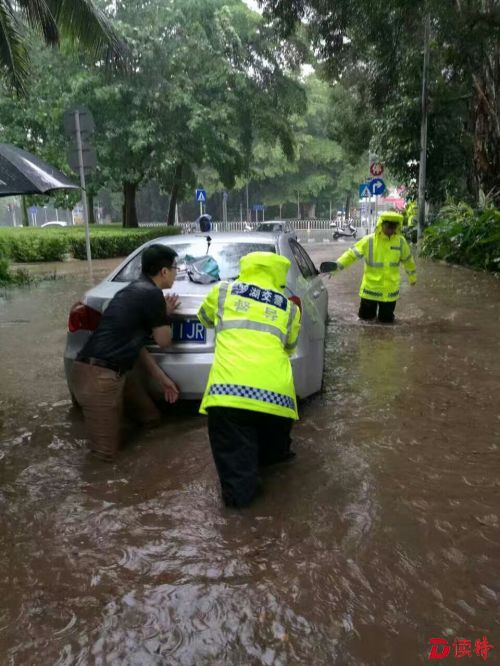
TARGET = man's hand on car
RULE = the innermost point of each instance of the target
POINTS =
(172, 302)
(170, 389)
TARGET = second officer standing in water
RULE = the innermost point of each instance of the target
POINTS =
(382, 251)
(250, 396)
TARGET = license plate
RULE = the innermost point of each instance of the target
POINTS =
(189, 331)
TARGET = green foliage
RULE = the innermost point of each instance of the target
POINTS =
(78, 20)
(10, 277)
(461, 235)
(32, 245)
(374, 49)
(4, 270)
(205, 81)
(322, 170)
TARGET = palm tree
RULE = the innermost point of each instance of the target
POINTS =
(78, 20)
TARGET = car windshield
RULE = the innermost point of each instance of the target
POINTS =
(227, 255)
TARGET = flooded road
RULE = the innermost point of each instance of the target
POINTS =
(383, 534)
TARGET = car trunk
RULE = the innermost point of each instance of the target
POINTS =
(188, 334)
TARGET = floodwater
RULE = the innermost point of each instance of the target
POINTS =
(383, 534)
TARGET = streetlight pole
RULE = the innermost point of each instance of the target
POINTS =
(422, 173)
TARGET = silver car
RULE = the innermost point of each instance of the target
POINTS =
(276, 226)
(187, 361)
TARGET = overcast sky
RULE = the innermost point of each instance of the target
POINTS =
(253, 4)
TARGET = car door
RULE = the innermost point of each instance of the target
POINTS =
(315, 296)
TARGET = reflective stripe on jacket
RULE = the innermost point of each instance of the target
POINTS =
(382, 255)
(257, 329)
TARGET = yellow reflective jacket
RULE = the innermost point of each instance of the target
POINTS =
(382, 255)
(256, 329)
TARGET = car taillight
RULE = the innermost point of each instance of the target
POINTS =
(83, 318)
(297, 301)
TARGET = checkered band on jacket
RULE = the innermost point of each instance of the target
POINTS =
(253, 393)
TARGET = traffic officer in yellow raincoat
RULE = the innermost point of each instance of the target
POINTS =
(383, 251)
(250, 396)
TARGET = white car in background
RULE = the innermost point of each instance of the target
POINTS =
(187, 361)
(276, 227)
(53, 225)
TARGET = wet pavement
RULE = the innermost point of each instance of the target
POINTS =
(383, 534)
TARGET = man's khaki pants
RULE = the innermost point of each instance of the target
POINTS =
(102, 394)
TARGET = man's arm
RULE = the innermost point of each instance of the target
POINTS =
(162, 335)
(409, 263)
(354, 253)
(170, 390)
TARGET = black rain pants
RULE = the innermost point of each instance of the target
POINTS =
(241, 440)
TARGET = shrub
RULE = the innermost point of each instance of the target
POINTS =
(461, 235)
(10, 277)
(32, 245)
(4, 270)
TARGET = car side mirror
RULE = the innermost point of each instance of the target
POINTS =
(327, 266)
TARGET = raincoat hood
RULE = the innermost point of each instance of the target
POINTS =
(265, 268)
(390, 216)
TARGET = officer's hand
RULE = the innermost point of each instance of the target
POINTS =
(328, 267)
(172, 302)
(170, 390)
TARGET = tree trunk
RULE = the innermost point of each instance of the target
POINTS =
(90, 200)
(309, 210)
(348, 206)
(24, 212)
(130, 220)
(174, 194)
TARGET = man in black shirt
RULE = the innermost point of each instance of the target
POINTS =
(102, 370)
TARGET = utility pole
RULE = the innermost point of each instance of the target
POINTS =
(423, 130)
(248, 209)
(298, 205)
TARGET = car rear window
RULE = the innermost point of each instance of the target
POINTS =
(227, 255)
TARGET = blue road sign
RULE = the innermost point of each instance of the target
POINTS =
(364, 191)
(258, 207)
(377, 186)
(201, 196)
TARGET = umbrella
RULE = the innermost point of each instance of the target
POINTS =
(24, 173)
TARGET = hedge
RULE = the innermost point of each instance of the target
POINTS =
(462, 235)
(27, 244)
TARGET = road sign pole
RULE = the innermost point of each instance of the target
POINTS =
(201, 207)
(84, 191)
